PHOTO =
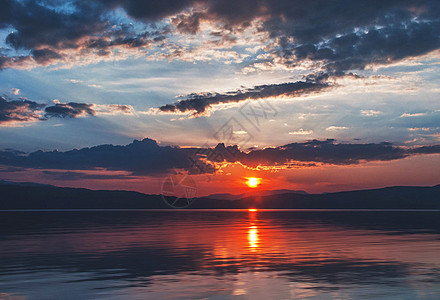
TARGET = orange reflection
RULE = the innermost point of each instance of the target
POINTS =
(253, 238)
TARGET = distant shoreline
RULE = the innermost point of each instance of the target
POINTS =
(217, 209)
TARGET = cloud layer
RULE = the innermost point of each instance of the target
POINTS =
(337, 35)
(144, 157)
(147, 157)
(315, 151)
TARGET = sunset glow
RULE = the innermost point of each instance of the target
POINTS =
(205, 149)
(328, 99)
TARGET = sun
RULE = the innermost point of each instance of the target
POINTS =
(253, 182)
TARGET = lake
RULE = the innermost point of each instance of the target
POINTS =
(220, 254)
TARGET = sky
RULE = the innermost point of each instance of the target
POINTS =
(319, 96)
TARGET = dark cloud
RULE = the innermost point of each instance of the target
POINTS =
(22, 110)
(36, 24)
(6, 9)
(426, 149)
(315, 151)
(146, 157)
(149, 10)
(74, 110)
(314, 21)
(349, 35)
(124, 36)
(187, 24)
(71, 175)
(328, 152)
(373, 46)
(341, 34)
(46, 28)
(45, 56)
(199, 103)
(69, 110)
(236, 13)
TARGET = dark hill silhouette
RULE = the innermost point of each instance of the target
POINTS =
(15, 196)
(34, 196)
(384, 198)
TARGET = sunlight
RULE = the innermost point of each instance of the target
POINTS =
(253, 182)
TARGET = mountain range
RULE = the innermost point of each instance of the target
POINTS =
(37, 196)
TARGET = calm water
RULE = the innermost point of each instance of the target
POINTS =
(219, 255)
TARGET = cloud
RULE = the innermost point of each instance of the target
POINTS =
(187, 24)
(95, 85)
(14, 112)
(144, 157)
(69, 110)
(45, 56)
(412, 115)
(75, 81)
(199, 103)
(56, 32)
(370, 112)
(315, 151)
(147, 157)
(36, 25)
(10, 169)
(148, 10)
(112, 109)
(419, 128)
(336, 36)
(371, 46)
(301, 132)
(75, 110)
(342, 35)
(431, 149)
(17, 62)
(73, 175)
(15, 91)
(17, 111)
(336, 128)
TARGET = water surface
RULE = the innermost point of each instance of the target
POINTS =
(220, 255)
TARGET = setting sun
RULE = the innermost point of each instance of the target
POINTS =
(253, 182)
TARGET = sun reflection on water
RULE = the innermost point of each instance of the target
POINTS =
(253, 238)
(252, 234)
